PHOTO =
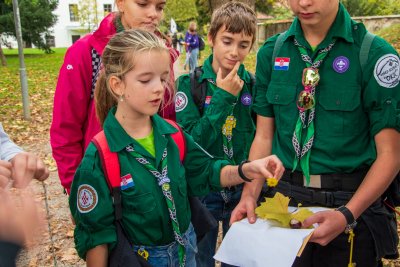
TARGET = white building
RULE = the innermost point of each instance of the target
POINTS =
(69, 27)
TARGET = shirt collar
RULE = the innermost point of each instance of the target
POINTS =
(342, 27)
(118, 139)
(208, 72)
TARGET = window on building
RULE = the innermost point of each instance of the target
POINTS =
(50, 41)
(75, 38)
(107, 9)
(73, 12)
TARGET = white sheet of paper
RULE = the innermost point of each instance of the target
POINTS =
(261, 244)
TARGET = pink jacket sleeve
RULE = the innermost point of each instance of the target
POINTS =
(71, 106)
(167, 111)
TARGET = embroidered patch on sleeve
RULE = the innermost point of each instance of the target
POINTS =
(87, 198)
(387, 71)
(181, 101)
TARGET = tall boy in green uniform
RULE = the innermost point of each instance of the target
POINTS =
(224, 127)
(335, 125)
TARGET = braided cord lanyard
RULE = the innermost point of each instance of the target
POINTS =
(227, 134)
(303, 149)
(164, 183)
(351, 241)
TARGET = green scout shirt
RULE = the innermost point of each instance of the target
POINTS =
(145, 213)
(207, 129)
(351, 106)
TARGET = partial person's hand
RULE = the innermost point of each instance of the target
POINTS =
(27, 166)
(5, 173)
(267, 167)
(331, 223)
(20, 219)
(245, 208)
(232, 83)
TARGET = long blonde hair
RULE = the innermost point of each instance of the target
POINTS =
(118, 59)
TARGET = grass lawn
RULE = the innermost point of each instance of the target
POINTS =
(42, 70)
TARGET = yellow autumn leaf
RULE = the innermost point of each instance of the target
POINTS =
(301, 214)
(276, 208)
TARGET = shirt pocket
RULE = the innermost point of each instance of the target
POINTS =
(283, 98)
(141, 203)
(339, 111)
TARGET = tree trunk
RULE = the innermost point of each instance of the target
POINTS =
(2, 57)
(214, 4)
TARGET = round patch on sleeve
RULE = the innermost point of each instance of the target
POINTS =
(387, 71)
(181, 101)
(87, 198)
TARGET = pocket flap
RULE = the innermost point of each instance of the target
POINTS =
(281, 93)
(343, 99)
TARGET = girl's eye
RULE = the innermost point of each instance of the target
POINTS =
(160, 8)
(226, 42)
(244, 46)
(142, 4)
(144, 81)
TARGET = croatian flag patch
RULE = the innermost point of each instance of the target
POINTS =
(282, 63)
(126, 181)
(207, 101)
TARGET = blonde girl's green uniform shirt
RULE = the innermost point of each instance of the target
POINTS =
(145, 213)
(207, 129)
(352, 105)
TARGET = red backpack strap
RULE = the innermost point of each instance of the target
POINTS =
(112, 170)
(179, 139)
(109, 160)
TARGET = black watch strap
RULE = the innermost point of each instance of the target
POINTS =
(351, 222)
(241, 174)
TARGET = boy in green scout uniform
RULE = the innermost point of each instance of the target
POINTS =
(224, 127)
(155, 184)
(329, 109)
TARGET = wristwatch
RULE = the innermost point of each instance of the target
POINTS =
(351, 222)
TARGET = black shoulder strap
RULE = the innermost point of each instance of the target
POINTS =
(278, 44)
(252, 79)
(197, 89)
(365, 47)
(252, 91)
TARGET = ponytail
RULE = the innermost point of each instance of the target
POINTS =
(103, 98)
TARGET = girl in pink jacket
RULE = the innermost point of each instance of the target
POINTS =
(74, 120)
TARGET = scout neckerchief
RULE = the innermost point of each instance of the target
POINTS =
(163, 182)
(227, 133)
(227, 129)
(306, 106)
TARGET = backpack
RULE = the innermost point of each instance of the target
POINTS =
(392, 194)
(202, 44)
(199, 90)
(202, 220)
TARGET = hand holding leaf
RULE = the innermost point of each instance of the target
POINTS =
(276, 208)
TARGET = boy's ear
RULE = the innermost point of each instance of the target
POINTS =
(210, 40)
(116, 85)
